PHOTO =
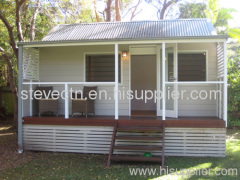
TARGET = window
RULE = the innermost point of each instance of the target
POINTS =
(101, 68)
(191, 67)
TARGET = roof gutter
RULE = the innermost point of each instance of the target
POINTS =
(215, 37)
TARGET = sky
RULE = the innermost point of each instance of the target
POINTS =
(148, 12)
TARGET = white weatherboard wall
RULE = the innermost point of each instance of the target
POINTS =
(66, 64)
(96, 139)
(207, 107)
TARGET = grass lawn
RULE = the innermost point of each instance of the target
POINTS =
(46, 165)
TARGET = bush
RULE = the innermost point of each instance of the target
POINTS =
(234, 91)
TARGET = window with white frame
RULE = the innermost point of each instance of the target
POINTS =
(101, 68)
(191, 66)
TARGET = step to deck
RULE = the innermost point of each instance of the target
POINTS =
(154, 148)
(139, 138)
(136, 132)
(142, 129)
(136, 158)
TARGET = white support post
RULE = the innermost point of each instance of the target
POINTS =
(217, 108)
(175, 64)
(225, 97)
(20, 104)
(30, 100)
(163, 83)
(220, 101)
(116, 82)
(158, 78)
(66, 102)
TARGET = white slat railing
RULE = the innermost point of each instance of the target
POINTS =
(66, 88)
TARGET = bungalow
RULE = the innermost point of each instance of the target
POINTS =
(161, 89)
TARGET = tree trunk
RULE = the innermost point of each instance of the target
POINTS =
(165, 6)
(5, 76)
(13, 86)
(108, 10)
(1, 104)
(18, 19)
(10, 33)
(95, 10)
(134, 11)
(117, 9)
(32, 28)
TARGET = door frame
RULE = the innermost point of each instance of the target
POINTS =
(156, 50)
(168, 113)
(140, 50)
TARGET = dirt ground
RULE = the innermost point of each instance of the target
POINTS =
(9, 155)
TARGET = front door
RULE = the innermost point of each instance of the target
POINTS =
(143, 79)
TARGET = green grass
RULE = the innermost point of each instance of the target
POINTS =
(88, 166)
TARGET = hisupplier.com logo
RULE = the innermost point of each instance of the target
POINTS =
(145, 95)
(184, 173)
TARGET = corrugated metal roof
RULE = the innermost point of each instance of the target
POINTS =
(132, 30)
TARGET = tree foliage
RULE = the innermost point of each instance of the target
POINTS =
(18, 22)
(234, 84)
(219, 16)
(192, 10)
(74, 11)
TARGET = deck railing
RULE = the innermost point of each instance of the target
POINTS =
(66, 88)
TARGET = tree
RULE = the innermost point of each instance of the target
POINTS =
(234, 33)
(11, 13)
(108, 10)
(219, 16)
(96, 12)
(77, 11)
(116, 10)
(234, 84)
(192, 10)
(74, 11)
(32, 28)
(163, 6)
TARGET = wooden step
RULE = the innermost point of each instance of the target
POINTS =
(143, 129)
(136, 158)
(133, 127)
(139, 137)
(138, 147)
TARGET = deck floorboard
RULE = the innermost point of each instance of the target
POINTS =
(189, 122)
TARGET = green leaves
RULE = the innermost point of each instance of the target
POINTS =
(192, 10)
(219, 16)
(234, 87)
(234, 33)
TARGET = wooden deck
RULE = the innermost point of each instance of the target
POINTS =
(192, 122)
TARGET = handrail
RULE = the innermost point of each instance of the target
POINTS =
(73, 83)
(196, 82)
(66, 86)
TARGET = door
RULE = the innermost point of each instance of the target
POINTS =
(143, 78)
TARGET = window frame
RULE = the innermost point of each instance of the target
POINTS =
(194, 52)
(85, 54)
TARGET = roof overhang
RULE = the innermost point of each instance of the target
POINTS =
(180, 39)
